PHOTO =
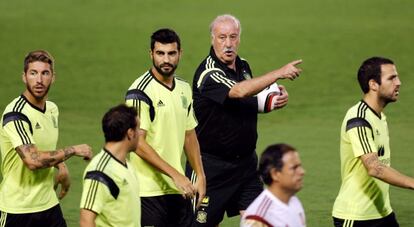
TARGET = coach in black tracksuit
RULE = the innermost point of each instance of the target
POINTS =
(226, 108)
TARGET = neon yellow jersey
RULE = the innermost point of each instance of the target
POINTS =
(110, 189)
(23, 190)
(362, 197)
(165, 114)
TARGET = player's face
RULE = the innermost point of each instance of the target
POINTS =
(165, 58)
(291, 175)
(135, 137)
(38, 79)
(390, 84)
(226, 40)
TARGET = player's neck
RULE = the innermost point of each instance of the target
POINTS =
(118, 149)
(166, 80)
(374, 102)
(281, 194)
(39, 103)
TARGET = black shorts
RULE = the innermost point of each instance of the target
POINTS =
(231, 187)
(166, 210)
(388, 221)
(52, 217)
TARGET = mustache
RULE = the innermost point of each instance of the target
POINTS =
(167, 64)
(228, 49)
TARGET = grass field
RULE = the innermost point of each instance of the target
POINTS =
(100, 47)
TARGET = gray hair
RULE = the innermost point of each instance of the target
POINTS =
(222, 18)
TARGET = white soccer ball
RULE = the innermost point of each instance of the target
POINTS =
(266, 99)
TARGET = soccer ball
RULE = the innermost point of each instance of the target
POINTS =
(266, 99)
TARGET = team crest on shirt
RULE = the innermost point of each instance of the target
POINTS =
(246, 75)
(201, 216)
(184, 101)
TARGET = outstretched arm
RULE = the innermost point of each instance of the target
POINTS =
(146, 152)
(35, 159)
(248, 88)
(192, 150)
(385, 173)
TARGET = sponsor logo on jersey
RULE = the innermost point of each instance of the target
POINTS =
(201, 216)
(160, 103)
(37, 126)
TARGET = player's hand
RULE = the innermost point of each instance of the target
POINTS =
(62, 178)
(184, 185)
(283, 98)
(83, 150)
(200, 187)
(290, 71)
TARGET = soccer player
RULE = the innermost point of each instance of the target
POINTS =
(164, 104)
(110, 190)
(226, 107)
(28, 137)
(281, 170)
(363, 198)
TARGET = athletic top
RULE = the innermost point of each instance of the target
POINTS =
(227, 127)
(267, 210)
(110, 189)
(23, 190)
(165, 114)
(362, 197)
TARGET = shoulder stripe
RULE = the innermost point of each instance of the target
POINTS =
(90, 197)
(18, 106)
(357, 122)
(362, 130)
(16, 116)
(209, 63)
(138, 95)
(145, 81)
(201, 79)
(221, 79)
(104, 179)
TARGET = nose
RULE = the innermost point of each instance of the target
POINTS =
(398, 81)
(227, 42)
(39, 78)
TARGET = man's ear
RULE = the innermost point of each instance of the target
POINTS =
(130, 134)
(274, 174)
(24, 78)
(373, 85)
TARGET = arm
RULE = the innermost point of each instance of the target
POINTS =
(385, 173)
(146, 152)
(62, 178)
(87, 218)
(35, 159)
(247, 88)
(192, 151)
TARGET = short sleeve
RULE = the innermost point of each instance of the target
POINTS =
(94, 195)
(18, 128)
(143, 105)
(360, 135)
(214, 85)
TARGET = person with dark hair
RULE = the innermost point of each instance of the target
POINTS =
(366, 173)
(227, 100)
(281, 170)
(164, 103)
(28, 138)
(110, 194)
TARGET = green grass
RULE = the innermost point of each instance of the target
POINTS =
(102, 46)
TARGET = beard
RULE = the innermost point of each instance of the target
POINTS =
(38, 96)
(164, 72)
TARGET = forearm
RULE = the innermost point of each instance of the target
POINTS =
(35, 159)
(146, 152)
(247, 88)
(386, 173)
